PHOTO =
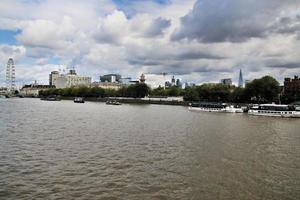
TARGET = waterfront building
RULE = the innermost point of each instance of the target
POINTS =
(108, 85)
(3, 91)
(32, 90)
(68, 80)
(226, 81)
(53, 76)
(292, 85)
(241, 80)
(111, 78)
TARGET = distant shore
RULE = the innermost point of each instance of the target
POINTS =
(132, 101)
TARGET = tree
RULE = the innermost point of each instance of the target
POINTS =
(265, 89)
(191, 94)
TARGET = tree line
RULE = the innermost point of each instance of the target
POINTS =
(263, 90)
(136, 91)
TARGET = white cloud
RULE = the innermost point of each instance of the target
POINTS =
(98, 37)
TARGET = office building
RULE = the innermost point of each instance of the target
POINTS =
(111, 78)
(68, 80)
(226, 81)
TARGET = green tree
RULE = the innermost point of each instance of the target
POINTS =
(265, 89)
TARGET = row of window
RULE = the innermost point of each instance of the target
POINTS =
(274, 112)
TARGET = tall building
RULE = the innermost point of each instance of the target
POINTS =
(53, 76)
(226, 81)
(10, 75)
(178, 83)
(68, 80)
(241, 80)
(173, 81)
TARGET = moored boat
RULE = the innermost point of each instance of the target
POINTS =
(207, 107)
(78, 100)
(275, 110)
(111, 102)
(232, 109)
(214, 107)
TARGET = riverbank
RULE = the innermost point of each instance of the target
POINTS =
(160, 101)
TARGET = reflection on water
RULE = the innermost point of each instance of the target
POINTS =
(62, 150)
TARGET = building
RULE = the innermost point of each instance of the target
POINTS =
(3, 91)
(178, 83)
(108, 85)
(111, 78)
(142, 78)
(241, 79)
(226, 81)
(68, 80)
(125, 81)
(53, 76)
(174, 83)
(247, 81)
(292, 85)
(33, 90)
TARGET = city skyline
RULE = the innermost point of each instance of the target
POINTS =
(198, 41)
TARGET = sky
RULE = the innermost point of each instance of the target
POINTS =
(196, 40)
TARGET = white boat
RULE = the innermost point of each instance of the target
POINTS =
(2, 97)
(275, 110)
(232, 109)
(214, 107)
(78, 100)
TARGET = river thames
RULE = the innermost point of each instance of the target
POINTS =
(62, 150)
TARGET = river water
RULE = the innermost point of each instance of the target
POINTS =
(62, 150)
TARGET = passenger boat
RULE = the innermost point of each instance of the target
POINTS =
(111, 102)
(78, 100)
(232, 109)
(207, 107)
(214, 107)
(275, 110)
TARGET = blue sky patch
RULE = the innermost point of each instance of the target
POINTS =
(8, 37)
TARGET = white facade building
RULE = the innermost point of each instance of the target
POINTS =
(69, 80)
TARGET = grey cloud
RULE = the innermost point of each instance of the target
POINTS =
(288, 65)
(10, 50)
(144, 62)
(230, 20)
(185, 68)
(197, 55)
(157, 27)
(287, 25)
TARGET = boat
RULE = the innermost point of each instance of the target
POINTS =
(78, 100)
(214, 107)
(2, 97)
(207, 107)
(275, 110)
(232, 109)
(111, 102)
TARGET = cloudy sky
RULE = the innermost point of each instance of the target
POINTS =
(196, 40)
